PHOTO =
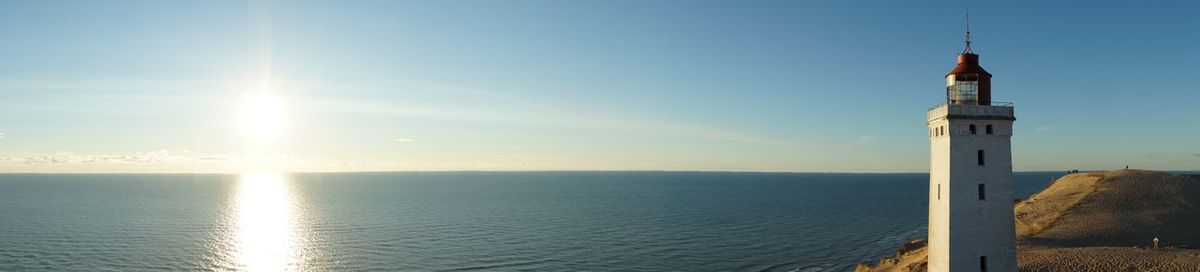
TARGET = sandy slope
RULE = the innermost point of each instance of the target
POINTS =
(1107, 259)
(1099, 222)
(1045, 208)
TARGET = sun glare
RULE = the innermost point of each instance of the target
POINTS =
(261, 116)
(265, 233)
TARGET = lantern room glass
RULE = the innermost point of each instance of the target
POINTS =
(962, 89)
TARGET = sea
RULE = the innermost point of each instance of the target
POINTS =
(462, 221)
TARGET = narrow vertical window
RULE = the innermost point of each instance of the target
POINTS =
(989, 129)
(971, 129)
(939, 191)
(983, 263)
(980, 156)
(982, 192)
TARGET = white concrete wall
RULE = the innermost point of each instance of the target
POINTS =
(939, 197)
(961, 227)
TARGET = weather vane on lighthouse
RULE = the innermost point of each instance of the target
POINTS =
(968, 19)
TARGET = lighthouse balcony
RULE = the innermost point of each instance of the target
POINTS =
(994, 111)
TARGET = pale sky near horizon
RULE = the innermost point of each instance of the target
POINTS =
(807, 86)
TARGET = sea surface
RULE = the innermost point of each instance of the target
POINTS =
(462, 221)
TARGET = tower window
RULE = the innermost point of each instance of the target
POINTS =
(989, 129)
(971, 129)
(980, 155)
(939, 194)
(982, 192)
(983, 263)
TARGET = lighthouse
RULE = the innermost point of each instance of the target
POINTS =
(970, 174)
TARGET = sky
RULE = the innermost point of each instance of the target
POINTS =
(798, 86)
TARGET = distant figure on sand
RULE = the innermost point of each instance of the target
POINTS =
(1155, 242)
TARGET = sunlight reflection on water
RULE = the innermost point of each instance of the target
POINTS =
(265, 216)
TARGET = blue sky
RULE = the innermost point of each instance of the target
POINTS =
(88, 86)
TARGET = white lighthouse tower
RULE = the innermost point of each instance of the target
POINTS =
(970, 174)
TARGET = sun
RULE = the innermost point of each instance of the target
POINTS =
(261, 116)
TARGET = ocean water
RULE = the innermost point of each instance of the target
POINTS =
(462, 221)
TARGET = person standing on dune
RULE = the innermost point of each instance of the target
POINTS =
(1155, 242)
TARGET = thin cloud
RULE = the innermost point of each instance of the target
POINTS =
(547, 116)
(1046, 128)
(157, 161)
(1195, 154)
(405, 140)
(68, 157)
(863, 140)
(434, 100)
(2, 135)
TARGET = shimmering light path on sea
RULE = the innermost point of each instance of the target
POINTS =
(264, 234)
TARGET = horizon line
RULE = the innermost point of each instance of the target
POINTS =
(549, 171)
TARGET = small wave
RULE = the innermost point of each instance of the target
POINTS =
(495, 266)
(775, 267)
(806, 269)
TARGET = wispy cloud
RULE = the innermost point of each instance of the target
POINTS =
(163, 160)
(1195, 154)
(540, 114)
(2, 135)
(405, 140)
(1046, 128)
(863, 140)
(68, 157)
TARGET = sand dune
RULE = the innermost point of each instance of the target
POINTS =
(1080, 259)
(1101, 221)
(1122, 208)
